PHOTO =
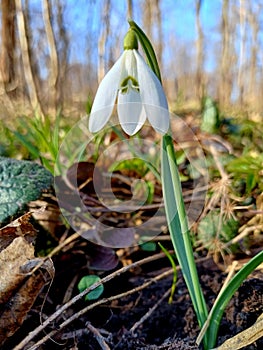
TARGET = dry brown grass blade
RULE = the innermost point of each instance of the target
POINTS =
(247, 337)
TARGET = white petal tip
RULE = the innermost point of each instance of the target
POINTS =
(99, 118)
(131, 128)
(159, 118)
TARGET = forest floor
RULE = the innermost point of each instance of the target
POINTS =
(135, 310)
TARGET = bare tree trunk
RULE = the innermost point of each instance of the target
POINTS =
(160, 32)
(147, 17)
(225, 82)
(254, 23)
(54, 67)
(7, 56)
(103, 39)
(32, 91)
(129, 9)
(242, 50)
(152, 15)
(199, 80)
(31, 50)
(63, 53)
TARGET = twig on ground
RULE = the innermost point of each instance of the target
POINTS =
(151, 310)
(61, 310)
(99, 302)
(100, 339)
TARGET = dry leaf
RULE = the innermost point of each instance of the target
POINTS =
(19, 285)
(18, 253)
(20, 227)
(247, 337)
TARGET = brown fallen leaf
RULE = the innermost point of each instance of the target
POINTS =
(17, 254)
(22, 276)
(20, 227)
(16, 249)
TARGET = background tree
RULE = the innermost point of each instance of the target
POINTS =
(8, 44)
(199, 83)
(53, 57)
(31, 86)
(53, 53)
(225, 83)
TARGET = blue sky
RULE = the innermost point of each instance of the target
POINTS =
(83, 23)
(178, 18)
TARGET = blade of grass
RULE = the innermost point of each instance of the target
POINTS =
(169, 256)
(55, 135)
(218, 308)
(208, 320)
(28, 145)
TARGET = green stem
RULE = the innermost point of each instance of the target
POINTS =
(174, 204)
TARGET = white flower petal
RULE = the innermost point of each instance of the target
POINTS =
(153, 96)
(105, 97)
(130, 111)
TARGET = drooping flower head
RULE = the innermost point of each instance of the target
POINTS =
(138, 91)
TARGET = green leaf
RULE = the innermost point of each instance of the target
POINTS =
(151, 189)
(134, 164)
(20, 182)
(248, 167)
(210, 117)
(88, 281)
(178, 227)
(40, 138)
(148, 246)
(180, 157)
(55, 135)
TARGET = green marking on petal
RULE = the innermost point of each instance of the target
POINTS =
(129, 82)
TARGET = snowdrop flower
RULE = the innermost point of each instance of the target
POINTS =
(137, 89)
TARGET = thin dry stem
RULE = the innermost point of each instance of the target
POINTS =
(100, 339)
(92, 306)
(149, 313)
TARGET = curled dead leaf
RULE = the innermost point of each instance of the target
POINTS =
(22, 276)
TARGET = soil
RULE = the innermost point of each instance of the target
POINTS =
(169, 326)
(129, 322)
